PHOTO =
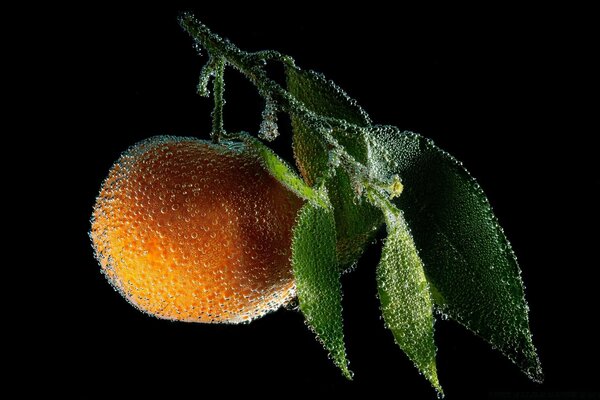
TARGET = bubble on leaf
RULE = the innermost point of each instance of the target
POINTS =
(356, 222)
(318, 279)
(466, 255)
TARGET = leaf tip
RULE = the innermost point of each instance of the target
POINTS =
(534, 371)
(429, 371)
(346, 372)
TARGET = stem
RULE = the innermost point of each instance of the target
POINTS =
(218, 90)
(246, 63)
(251, 65)
(207, 72)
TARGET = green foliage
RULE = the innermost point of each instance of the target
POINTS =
(466, 254)
(281, 171)
(356, 221)
(405, 298)
(356, 176)
(318, 279)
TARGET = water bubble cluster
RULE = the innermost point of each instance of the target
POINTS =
(268, 126)
(405, 297)
(192, 231)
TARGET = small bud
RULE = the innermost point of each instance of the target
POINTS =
(396, 187)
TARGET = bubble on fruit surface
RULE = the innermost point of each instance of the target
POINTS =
(188, 230)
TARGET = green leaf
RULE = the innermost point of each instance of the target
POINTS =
(281, 171)
(318, 279)
(405, 297)
(324, 97)
(468, 261)
(356, 222)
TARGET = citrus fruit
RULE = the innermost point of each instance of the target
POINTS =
(190, 230)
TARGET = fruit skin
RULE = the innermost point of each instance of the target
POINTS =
(193, 231)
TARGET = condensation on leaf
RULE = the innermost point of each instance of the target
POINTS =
(405, 297)
(356, 222)
(324, 97)
(473, 271)
(281, 171)
(473, 275)
(318, 286)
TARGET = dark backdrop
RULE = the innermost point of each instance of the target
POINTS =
(493, 87)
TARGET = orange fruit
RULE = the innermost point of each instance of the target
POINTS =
(189, 230)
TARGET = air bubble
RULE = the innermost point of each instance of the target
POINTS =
(268, 128)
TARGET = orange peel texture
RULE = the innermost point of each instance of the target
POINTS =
(193, 231)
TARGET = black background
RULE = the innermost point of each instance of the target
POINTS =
(497, 88)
